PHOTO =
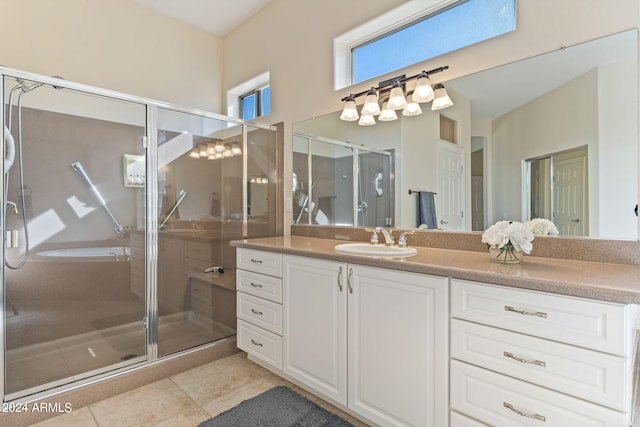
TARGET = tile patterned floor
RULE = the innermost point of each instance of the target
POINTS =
(185, 399)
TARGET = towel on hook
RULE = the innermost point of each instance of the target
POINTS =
(426, 210)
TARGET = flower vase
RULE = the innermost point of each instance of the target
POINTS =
(505, 255)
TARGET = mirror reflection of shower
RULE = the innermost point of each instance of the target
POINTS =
(352, 184)
(11, 238)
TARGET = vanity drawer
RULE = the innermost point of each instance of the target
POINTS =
(259, 285)
(259, 261)
(459, 420)
(588, 374)
(261, 344)
(592, 324)
(198, 250)
(502, 401)
(260, 312)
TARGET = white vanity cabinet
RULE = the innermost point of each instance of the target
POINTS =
(526, 358)
(259, 305)
(374, 340)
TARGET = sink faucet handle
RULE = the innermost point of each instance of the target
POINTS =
(374, 236)
(402, 240)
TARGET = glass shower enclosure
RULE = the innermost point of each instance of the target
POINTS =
(118, 214)
(339, 183)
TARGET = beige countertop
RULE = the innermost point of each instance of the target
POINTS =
(607, 282)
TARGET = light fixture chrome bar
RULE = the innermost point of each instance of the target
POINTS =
(77, 166)
(398, 79)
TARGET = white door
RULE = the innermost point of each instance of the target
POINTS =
(568, 197)
(450, 197)
(315, 324)
(398, 347)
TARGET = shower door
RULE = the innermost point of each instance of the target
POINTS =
(74, 296)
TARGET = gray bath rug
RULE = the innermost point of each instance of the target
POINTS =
(278, 407)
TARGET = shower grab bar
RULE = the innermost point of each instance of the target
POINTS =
(77, 166)
(181, 195)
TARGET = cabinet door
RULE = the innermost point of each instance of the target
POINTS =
(398, 351)
(314, 330)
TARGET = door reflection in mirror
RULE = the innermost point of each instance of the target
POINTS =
(558, 190)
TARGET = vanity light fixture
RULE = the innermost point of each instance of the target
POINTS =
(397, 100)
(387, 114)
(349, 112)
(366, 120)
(423, 92)
(441, 98)
(412, 109)
(235, 148)
(371, 107)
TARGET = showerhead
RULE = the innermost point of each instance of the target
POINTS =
(57, 87)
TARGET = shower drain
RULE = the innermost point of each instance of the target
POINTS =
(128, 356)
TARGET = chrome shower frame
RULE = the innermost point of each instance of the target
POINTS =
(150, 146)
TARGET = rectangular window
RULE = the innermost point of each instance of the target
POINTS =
(459, 25)
(255, 103)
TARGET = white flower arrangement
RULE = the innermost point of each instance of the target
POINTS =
(509, 236)
(542, 227)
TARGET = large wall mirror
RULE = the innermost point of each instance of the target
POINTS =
(553, 136)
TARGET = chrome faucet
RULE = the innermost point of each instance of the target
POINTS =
(388, 237)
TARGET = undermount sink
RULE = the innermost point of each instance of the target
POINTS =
(376, 251)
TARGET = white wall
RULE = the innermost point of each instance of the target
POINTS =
(116, 44)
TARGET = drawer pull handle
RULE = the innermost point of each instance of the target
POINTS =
(340, 279)
(254, 342)
(521, 360)
(256, 261)
(526, 313)
(254, 311)
(349, 280)
(522, 413)
(255, 285)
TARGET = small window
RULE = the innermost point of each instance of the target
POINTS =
(255, 103)
(461, 24)
(251, 98)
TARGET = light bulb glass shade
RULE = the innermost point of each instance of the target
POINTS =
(211, 148)
(412, 109)
(212, 157)
(396, 99)
(387, 114)
(203, 150)
(349, 112)
(423, 91)
(371, 106)
(219, 147)
(195, 153)
(227, 151)
(441, 99)
(218, 155)
(235, 148)
(366, 120)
